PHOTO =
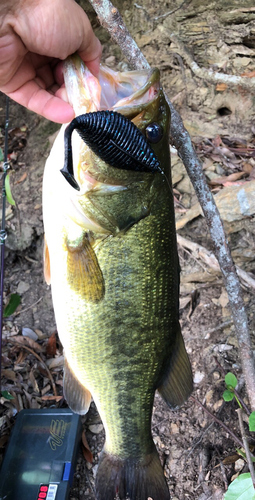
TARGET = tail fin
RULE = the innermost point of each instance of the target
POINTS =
(131, 479)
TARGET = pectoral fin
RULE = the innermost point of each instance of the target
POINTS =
(177, 384)
(46, 262)
(76, 395)
(83, 271)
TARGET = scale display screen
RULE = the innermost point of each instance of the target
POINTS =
(40, 459)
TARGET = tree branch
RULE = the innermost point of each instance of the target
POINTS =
(208, 74)
(110, 18)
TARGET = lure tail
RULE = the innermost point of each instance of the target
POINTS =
(131, 479)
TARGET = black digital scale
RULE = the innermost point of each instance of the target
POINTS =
(40, 459)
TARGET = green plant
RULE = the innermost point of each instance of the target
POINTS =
(11, 306)
(242, 488)
(6, 395)
(8, 190)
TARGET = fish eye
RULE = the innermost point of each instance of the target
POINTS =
(154, 132)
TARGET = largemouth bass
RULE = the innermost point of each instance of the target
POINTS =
(111, 257)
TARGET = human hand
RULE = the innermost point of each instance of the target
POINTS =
(35, 35)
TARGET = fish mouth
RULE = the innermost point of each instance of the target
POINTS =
(134, 94)
(125, 92)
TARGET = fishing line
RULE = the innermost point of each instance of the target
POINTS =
(3, 234)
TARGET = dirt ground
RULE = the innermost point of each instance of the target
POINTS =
(199, 457)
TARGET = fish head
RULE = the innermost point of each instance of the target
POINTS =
(109, 199)
(137, 95)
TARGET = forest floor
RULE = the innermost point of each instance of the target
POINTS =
(199, 457)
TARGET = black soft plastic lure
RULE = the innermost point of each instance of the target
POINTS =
(115, 139)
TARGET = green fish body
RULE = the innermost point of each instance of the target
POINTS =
(111, 258)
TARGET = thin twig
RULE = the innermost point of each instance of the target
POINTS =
(29, 307)
(111, 19)
(221, 326)
(171, 11)
(208, 74)
(16, 342)
(223, 472)
(236, 439)
(204, 432)
(246, 445)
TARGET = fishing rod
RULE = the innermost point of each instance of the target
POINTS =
(3, 234)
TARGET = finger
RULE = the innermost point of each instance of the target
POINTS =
(58, 73)
(94, 66)
(12, 52)
(67, 27)
(62, 94)
(92, 55)
(46, 74)
(33, 97)
(24, 73)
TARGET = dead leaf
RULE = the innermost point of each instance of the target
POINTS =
(234, 177)
(22, 355)
(217, 141)
(42, 370)
(22, 178)
(238, 183)
(33, 381)
(231, 459)
(249, 74)
(226, 178)
(247, 168)
(220, 87)
(51, 347)
(208, 162)
(51, 398)
(55, 362)
(40, 334)
(184, 301)
(45, 389)
(199, 277)
(29, 398)
(6, 361)
(20, 340)
(18, 131)
(9, 375)
(85, 449)
(233, 202)
(223, 299)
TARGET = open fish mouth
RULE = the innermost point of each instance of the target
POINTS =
(109, 111)
(124, 92)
